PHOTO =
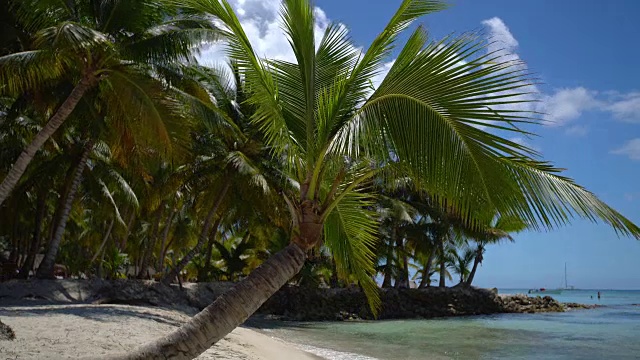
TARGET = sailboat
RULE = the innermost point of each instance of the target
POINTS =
(567, 287)
(554, 291)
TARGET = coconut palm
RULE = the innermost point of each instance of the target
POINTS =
(96, 45)
(462, 259)
(320, 116)
(500, 230)
(229, 160)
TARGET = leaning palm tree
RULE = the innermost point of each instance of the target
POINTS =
(462, 259)
(320, 116)
(92, 46)
(500, 230)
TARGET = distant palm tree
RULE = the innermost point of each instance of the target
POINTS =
(230, 161)
(334, 133)
(461, 263)
(104, 46)
(500, 229)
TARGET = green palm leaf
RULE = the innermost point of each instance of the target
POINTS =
(350, 233)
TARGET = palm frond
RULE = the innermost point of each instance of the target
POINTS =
(350, 234)
(167, 45)
(381, 47)
(424, 117)
(299, 25)
(28, 70)
(258, 79)
(70, 36)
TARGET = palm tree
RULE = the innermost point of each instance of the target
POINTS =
(334, 134)
(462, 259)
(395, 235)
(45, 270)
(93, 46)
(501, 229)
(230, 159)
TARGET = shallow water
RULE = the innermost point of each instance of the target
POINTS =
(608, 332)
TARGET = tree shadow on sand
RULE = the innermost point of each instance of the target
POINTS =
(101, 313)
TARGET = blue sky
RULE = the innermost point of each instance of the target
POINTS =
(585, 56)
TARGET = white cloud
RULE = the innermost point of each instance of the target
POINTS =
(502, 41)
(260, 20)
(577, 130)
(627, 108)
(566, 105)
(631, 149)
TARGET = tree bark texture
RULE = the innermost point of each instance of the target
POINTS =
(476, 261)
(227, 312)
(426, 281)
(45, 270)
(63, 112)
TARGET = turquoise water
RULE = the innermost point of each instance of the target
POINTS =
(608, 332)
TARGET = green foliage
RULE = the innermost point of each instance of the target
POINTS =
(115, 263)
(404, 175)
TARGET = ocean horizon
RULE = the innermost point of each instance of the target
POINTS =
(608, 331)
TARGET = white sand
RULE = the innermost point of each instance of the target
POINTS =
(74, 331)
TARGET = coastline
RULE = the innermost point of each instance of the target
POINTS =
(76, 318)
(73, 331)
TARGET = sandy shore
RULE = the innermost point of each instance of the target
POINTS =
(81, 331)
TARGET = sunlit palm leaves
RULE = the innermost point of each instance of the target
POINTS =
(433, 118)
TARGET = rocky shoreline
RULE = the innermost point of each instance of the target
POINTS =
(290, 303)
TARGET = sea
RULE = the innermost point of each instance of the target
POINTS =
(611, 331)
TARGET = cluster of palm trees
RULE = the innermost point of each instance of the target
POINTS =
(121, 155)
(419, 239)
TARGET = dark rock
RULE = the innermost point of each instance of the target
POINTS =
(572, 306)
(6, 333)
(290, 302)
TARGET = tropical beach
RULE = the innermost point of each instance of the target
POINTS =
(49, 324)
(244, 179)
(89, 332)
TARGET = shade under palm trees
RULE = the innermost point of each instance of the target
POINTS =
(104, 46)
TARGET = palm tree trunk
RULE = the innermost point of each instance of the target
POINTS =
(386, 282)
(399, 242)
(45, 270)
(165, 235)
(168, 278)
(334, 282)
(405, 271)
(132, 217)
(104, 242)
(55, 218)
(426, 281)
(209, 252)
(227, 311)
(443, 268)
(147, 252)
(63, 112)
(27, 266)
(388, 268)
(476, 261)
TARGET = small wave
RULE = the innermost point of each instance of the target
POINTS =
(332, 354)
